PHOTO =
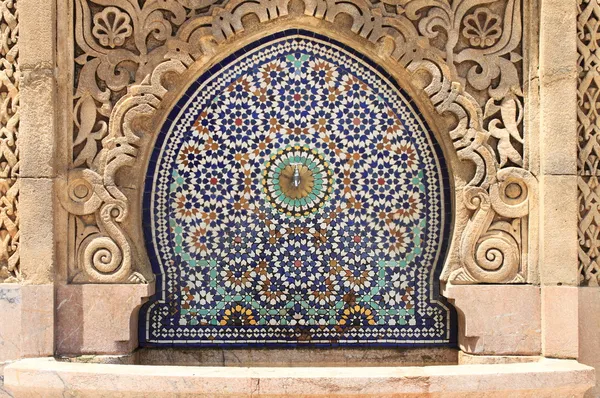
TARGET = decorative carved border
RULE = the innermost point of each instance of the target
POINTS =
(470, 49)
(588, 162)
(10, 76)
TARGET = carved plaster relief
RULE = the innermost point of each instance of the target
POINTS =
(470, 49)
(588, 26)
(9, 154)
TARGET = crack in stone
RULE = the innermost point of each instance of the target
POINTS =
(11, 296)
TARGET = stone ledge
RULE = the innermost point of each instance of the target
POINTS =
(547, 378)
(281, 357)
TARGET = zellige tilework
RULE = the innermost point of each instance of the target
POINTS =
(296, 196)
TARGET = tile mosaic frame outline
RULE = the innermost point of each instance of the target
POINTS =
(163, 281)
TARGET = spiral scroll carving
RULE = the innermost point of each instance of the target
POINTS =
(471, 49)
(497, 258)
(490, 246)
(498, 252)
(101, 258)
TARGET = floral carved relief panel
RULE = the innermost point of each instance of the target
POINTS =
(9, 155)
(126, 53)
(588, 26)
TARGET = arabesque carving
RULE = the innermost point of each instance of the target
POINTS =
(589, 230)
(112, 27)
(588, 32)
(471, 49)
(10, 76)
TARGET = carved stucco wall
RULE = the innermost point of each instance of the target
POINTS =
(588, 164)
(130, 56)
(9, 155)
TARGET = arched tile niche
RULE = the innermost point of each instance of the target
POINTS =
(296, 196)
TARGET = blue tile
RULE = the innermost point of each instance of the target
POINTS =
(266, 232)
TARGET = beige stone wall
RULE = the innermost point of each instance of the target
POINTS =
(81, 109)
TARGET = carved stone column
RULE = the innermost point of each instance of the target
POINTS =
(558, 179)
(588, 172)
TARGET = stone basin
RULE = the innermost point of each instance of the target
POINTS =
(48, 377)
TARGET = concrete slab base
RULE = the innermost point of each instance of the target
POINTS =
(46, 377)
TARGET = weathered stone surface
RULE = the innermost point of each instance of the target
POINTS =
(85, 326)
(589, 334)
(497, 320)
(27, 327)
(300, 357)
(547, 378)
(37, 136)
(3, 393)
(11, 303)
(37, 320)
(38, 233)
(560, 321)
(37, 34)
(98, 319)
(470, 359)
(558, 87)
(559, 245)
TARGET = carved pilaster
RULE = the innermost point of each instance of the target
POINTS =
(9, 155)
(588, 33)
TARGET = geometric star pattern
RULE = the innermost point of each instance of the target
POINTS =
(297, 180)
(296, 197)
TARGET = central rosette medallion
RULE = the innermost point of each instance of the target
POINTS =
(297, 181)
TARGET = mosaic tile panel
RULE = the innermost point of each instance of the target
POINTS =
(295, 196)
